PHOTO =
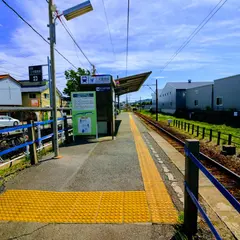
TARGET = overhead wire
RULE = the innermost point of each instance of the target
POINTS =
(128, 14)
(196, 31)
(110, 35)
(39, 34)
(64, 23)
(71, 35)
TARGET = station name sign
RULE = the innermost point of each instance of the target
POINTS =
(99, 79)
(35, 73)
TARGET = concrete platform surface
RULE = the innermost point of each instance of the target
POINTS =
(119, 172)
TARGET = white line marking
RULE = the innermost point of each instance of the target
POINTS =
(170, 177)
(160, 162)
(156, 155)
(165, 169)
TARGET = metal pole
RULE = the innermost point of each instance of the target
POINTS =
(54, 102)
(50, 81)
(191, 179)
(140, 104)
(32, 147)
(156, 100)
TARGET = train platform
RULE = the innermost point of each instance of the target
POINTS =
(105, 189)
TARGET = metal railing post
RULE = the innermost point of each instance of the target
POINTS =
(219, 138)
(185, 126)
(203, 133)
(67, 140)
(229, 139)
(193, 129)
(191, 179)
(210, 135)
(197, 131)
(32, 147)
(188, 127)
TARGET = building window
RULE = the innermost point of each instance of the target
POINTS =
(32, 95)
(163, 104)
(46, 96)
(196, 102)
(170, 93)
(219, 101)
(170, 103)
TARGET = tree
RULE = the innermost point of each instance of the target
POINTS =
(73, 80)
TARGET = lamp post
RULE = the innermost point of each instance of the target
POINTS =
(156, 100)
(70, 13)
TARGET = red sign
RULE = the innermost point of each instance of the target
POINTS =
(34, 103)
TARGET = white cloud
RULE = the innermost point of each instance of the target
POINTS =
(159, 77)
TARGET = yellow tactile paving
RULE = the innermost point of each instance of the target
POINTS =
(160, 204)
(152, 205)
(74, 207)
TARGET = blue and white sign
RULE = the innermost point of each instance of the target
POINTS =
(98, 79)
(103, 89)
(84, 79)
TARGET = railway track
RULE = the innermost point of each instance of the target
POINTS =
(229, 179)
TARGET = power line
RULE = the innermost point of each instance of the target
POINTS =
(110, 35)
(41, 36)
(128, 13)
(64, 23)
(71, 35)
(195, 32)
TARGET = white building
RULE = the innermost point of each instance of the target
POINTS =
(10, 91)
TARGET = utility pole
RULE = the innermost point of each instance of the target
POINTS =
(140, 104)
(53, 75)
(156, 100)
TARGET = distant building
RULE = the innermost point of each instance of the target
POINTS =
(173, 95)
(10, 91)
(227, 93)
(200, 98)
(36, 94)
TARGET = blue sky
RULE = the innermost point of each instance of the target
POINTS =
(157, 29)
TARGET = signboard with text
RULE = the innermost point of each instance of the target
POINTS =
(84, 113)
(98, 79)
(35, 73)
(34, 103)
(103, 89)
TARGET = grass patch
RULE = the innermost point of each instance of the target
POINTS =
(14, 168)
(225, 130)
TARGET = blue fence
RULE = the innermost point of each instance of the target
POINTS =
(217, 184)
(28, 143)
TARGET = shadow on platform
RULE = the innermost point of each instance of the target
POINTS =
(117, 125)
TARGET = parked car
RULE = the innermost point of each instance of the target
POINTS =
(6, 121)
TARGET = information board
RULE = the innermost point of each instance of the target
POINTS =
(84, 114)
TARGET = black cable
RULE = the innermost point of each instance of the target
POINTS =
(195, 32)
(70, 34)
(64, 23)
(36, 31)
(128, 13)
(110, 35)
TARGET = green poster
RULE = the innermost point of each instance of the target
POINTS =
(84, 114)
